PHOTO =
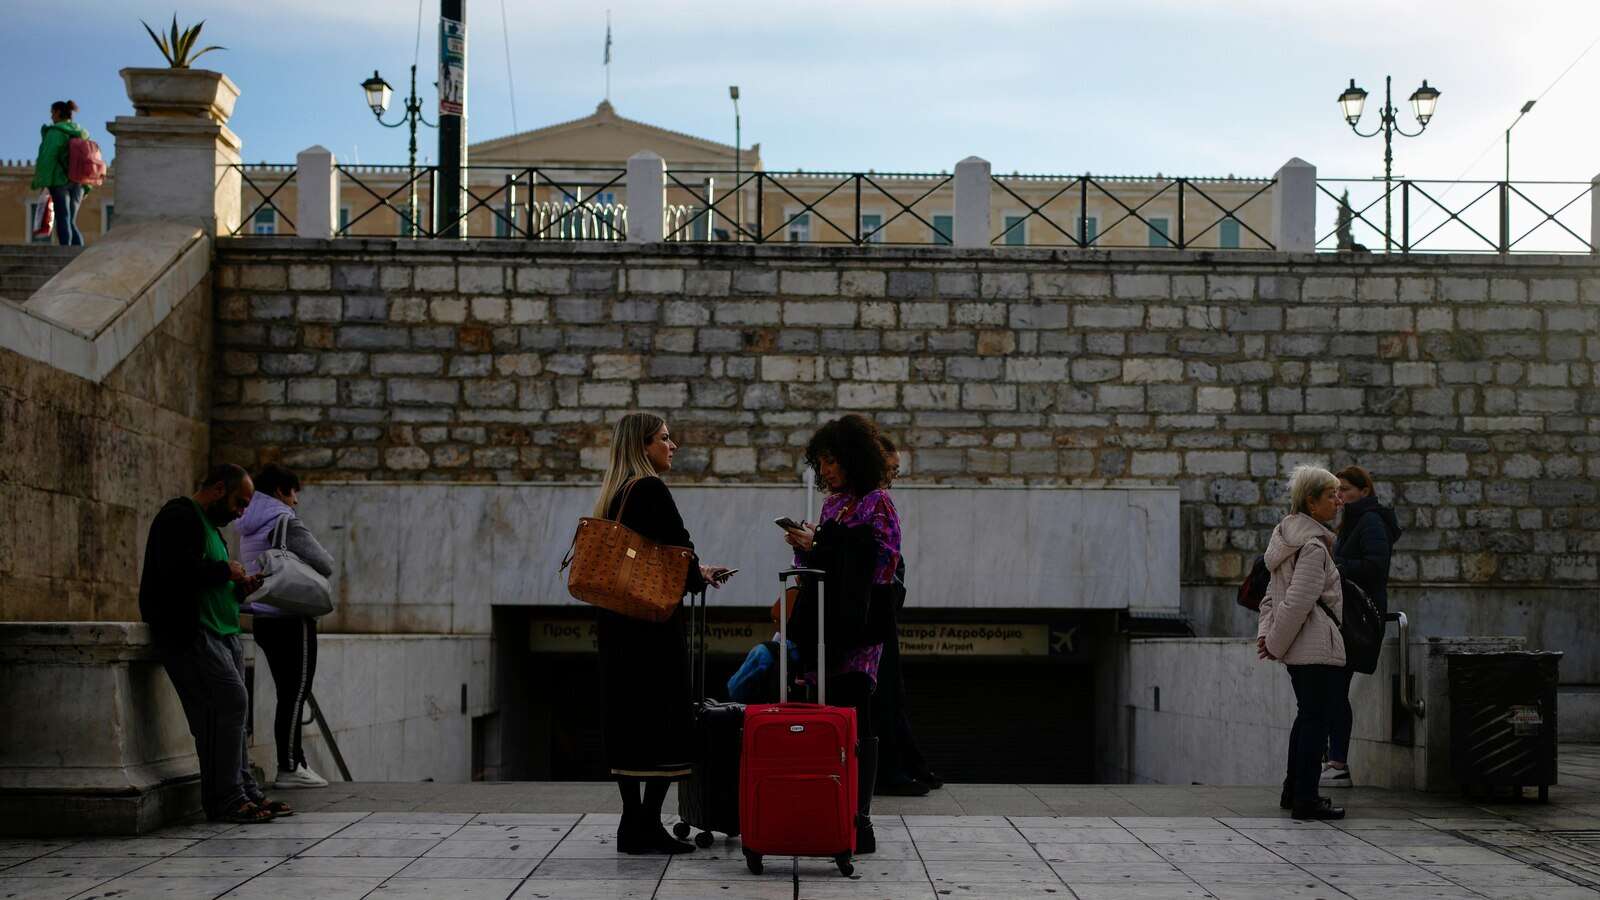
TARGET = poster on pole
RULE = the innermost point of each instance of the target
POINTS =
(452, 67)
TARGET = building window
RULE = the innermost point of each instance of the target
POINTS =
(1016, 231)
(1228, 233)
(944, 230)
(1160, 232)
(344, 219)
(872, 228)
(503, 221)
(1088, 229)
(108, 216)
(799, 228)
(264, 222)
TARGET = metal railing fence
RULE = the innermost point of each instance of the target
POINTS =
(1088, 211)
(1194, 216)
(1429, 216)
(873, 201)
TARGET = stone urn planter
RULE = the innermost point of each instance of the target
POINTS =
(181, 93)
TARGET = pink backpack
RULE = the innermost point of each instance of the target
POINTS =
(85, 165)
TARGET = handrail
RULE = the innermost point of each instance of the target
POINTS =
(327, 735)
(1415, 705)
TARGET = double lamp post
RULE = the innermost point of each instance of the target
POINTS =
(1423, 101)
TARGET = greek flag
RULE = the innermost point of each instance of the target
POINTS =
(608, 41)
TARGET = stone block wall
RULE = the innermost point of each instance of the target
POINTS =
(1466, 384)
(84, 467)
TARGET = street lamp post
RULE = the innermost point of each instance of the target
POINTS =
(738, 166)
(1505, 188)
(1423, 101)
(378, 94)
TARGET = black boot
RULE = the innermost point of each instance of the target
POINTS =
(867, 772)
(646, 832)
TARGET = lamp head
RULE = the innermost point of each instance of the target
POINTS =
(733, 92)
(1528, 107)
(378, 93)
(1423, 100)
(1351, 102)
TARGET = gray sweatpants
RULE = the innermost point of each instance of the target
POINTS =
(208, 673)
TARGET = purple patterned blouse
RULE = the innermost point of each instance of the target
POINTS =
(877, 512)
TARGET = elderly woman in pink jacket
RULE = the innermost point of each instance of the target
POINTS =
(1297, 628)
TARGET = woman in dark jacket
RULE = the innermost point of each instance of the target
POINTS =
(643, 665)
(858, 543)
(1362, 549)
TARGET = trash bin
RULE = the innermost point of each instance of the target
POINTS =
(1503, 719)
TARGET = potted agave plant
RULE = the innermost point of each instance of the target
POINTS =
(179, 90)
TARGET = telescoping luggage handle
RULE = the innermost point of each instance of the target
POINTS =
(783, 636)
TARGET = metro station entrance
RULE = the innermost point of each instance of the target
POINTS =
(988, 704)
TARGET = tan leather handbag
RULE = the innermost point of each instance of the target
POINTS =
(616, 568)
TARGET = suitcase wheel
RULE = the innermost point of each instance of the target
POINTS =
(846, 867)
(752, 861)
(681, 830)
(704, 839)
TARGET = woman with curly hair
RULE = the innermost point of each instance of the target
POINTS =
(857, 542)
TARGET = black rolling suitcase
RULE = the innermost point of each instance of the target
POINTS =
(709, 798)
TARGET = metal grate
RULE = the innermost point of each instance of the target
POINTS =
(1573, 855)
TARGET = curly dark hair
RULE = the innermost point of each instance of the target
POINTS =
(853, 442)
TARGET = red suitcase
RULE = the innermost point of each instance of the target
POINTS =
(797, 784)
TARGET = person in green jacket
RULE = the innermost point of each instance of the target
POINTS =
(50, 171)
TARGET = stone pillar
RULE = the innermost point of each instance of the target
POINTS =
(973, 186)
(1294, 207)
(1594, 215)
(173, 155)
(317, 193)
(647, 198)
(94, 740)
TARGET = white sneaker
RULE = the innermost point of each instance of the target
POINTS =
(1334, 777)
(300, 777)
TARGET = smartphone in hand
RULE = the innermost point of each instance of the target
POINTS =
(787, 523)
(723, 576)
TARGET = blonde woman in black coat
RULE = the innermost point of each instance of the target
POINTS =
(643, 665)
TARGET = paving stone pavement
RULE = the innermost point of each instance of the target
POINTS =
(1008, 842)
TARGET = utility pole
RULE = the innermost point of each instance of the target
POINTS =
(452, 118)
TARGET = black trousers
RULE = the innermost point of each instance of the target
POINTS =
(1318, 693)
(290, 643)
(898, 756)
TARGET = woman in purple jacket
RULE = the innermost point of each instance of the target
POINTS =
(289, 641)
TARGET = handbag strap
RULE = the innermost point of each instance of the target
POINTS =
(1336, 623)
(573, 547)
(628, 489)
(280, 533)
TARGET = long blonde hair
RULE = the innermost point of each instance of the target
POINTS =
(628, 461)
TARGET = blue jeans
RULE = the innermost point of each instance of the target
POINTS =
(65, 199)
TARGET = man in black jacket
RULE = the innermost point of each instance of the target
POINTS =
(189, 593)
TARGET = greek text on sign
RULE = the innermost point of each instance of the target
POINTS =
(452, 67)
(577, 636)
(974, 640)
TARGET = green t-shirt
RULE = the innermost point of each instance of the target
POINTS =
(219, 610)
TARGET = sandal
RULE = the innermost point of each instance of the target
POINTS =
(278, 808)
(248, 813)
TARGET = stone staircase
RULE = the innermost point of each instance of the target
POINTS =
(24, 268)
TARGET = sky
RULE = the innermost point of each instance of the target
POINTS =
(1193, 87)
